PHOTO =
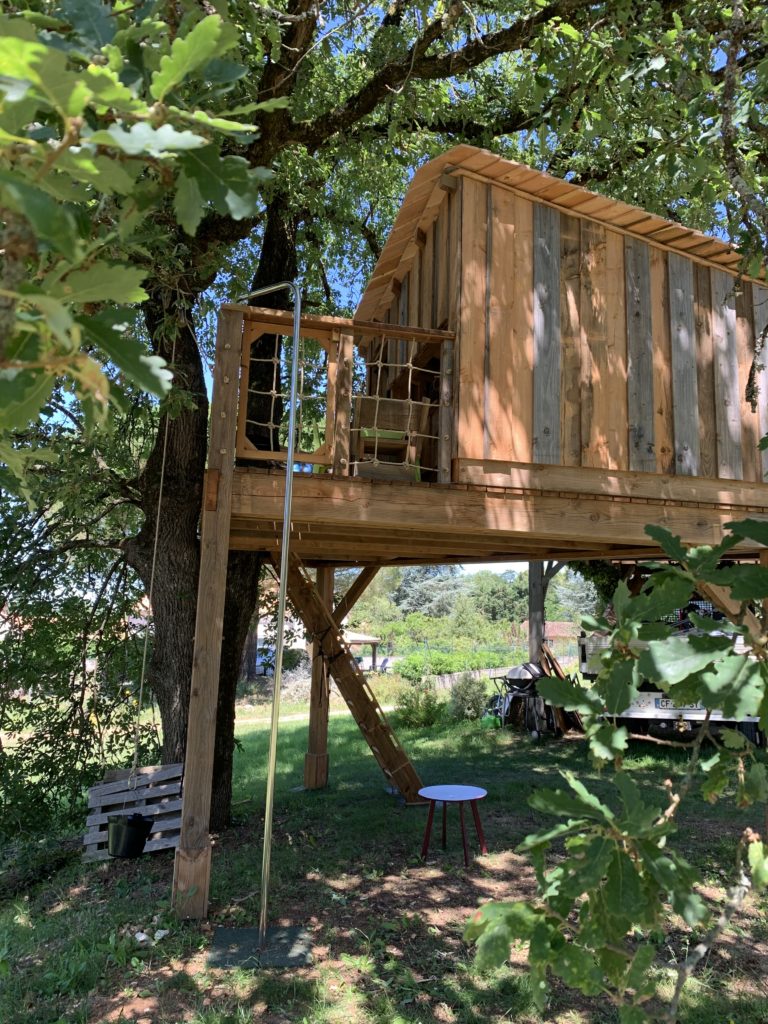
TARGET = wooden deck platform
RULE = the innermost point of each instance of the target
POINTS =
(542, 512)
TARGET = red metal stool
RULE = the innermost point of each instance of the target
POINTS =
(453, 795)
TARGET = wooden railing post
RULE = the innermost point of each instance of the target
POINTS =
(446, 414)
(192, 869)
(341, 440)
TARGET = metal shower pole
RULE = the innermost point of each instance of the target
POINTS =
(295, 287)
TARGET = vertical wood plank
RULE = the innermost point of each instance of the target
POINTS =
(427, 281)
(745, 350)
(613, 402)
(521, 354)
(455, 271)
(193, 856)
(592, 315)
(642, 454)
(501, 386)
(684, 371)
(570, 342)
(343, 417)
(705, 362)
(402, 306)
(727, 403)
(436, 264)
(487, 383)
(415, 288)
(316, 758)
(546, 334)
(760, 320)
(663, 422)
(442, 263)
(472, 321)
(445, 417)
(510, 382)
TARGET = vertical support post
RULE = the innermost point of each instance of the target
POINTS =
(535, 610)
(446, 413)
(341, 441)
(316, 758)
(192, 868)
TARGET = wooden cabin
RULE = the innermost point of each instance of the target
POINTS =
(533, 371)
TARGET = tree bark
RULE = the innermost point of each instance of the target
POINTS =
(174, 582)
(277, 263)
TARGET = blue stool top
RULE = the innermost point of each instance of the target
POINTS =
(453, 794)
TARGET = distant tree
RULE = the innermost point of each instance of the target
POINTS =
(427, 588)
(604, 577)
(467, 621)
(570, 596)
(498, 598)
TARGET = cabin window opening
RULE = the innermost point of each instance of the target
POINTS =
(266, 385)
(395, 411)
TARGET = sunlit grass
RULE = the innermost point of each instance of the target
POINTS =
(69, 943)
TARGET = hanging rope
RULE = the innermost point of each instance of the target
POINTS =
(133, 777)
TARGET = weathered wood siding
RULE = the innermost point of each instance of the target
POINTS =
(579, 345)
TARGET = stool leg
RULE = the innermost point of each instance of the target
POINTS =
(463, 834)
(445, 812)
(478, 826)
(428, 830)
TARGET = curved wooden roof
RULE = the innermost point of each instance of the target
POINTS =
(424, 195)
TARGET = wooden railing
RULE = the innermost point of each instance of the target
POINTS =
(353, 368)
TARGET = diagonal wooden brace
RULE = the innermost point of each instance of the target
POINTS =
(352, 684)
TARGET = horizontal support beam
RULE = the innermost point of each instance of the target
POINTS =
(456, 517)
(323, 326)
(611, 483)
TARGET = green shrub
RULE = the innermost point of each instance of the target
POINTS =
(418, 704)
(429, 663)
(468, 698)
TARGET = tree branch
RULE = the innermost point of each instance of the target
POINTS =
(417, 63)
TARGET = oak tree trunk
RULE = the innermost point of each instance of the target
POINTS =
(177, 559)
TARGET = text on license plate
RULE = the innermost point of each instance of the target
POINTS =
(665, 704)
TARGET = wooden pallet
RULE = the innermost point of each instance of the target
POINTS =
(156, 794)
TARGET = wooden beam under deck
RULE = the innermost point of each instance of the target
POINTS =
(353, 521)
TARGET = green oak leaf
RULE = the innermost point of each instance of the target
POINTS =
(50, 221)
(229, 182)
(758, 864)
(670, 661)
(23, 393)
(750, 529)
(101, 282)
(92, 21)
(564, 693)
(620, 687)
(143, 138)
(208, 39)
(668, 543)
(150, 372)
(188, 204)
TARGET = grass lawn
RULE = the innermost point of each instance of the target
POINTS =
(386, 928)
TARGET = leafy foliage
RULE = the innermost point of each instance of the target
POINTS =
(604, 905)
(72, 625)
(418, 705)
(468, 698)
(98, 147)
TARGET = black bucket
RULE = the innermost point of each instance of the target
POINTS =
(127, 836)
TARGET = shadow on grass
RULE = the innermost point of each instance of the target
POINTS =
(387, 929)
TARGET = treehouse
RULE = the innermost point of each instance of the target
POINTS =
(534, 371)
